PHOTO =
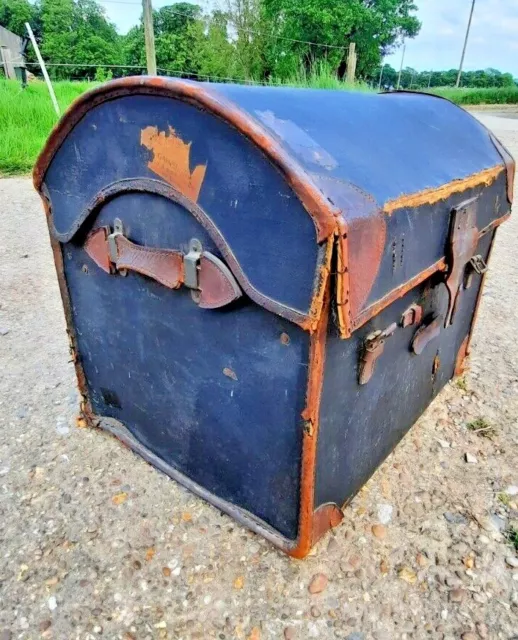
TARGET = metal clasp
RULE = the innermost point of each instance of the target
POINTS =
(479, 264)
(191, 263)
(373, 347)
(113, 252)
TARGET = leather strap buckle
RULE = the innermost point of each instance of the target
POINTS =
(113, 251)
(211, 283)
(191, 262)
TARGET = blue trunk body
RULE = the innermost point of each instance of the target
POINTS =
(257, 404)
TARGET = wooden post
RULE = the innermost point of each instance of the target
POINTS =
(149, 35)
(351, 63)
(8, 64)
(459, 75)
(43, 68)
(381, 76)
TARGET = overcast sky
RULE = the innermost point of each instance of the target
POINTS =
(493, 40)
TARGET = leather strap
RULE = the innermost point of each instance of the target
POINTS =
(216, 288)
(163, 265)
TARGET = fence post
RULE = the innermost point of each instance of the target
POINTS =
(351, 63)
(149, 36)
(43, 68)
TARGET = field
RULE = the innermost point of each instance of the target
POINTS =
(467, 96)
(27, 115)
(26, 118)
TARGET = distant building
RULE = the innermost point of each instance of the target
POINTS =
(12, 54)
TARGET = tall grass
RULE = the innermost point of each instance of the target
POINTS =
(26, 118)
(27, 115)
(496, 95)
(320, 76)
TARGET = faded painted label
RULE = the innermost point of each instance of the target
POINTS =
(171, 161)
(298, 140)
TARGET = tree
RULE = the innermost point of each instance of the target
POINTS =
(176, 39)
(15, 13)
(77, 33)
(376, 26)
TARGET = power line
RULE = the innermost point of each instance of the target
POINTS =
(182, 72)
(79, 64)
(252, 31)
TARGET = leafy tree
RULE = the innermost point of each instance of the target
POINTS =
(374, 25)
(77, 33)
(15, 13)
(176, 39)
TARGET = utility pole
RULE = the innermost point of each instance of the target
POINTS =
(459, 75)
(401, 68)
(149, 36)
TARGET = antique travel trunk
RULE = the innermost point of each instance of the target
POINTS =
(266, 287)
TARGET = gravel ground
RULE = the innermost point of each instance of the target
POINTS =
(96, 543)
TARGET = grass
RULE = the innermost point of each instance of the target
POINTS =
(467, 96)
(512, 536)
(504, 499)
(26, 118)
(462, 384)
(482, 428)
(27, 115)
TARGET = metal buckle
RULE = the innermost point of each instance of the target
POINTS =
(113, 252)
(118, 230)
(191, 261)
(479, 264)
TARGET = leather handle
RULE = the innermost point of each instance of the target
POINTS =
(163, 265)
(215, 286)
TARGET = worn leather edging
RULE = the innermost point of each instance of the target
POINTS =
(312, 524)
(314, 201)
(503, 151)
(149, 185)
(440, 266)
(243, 516)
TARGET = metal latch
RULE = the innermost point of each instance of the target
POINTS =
(479, 264)
(113, 252)
(373, 347)
(118, 230)
(412, 315)
(191, 262)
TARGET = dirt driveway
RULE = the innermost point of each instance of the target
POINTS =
(96, 543)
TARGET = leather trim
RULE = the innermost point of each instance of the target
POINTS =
(326, 517)
(96, 246)
(216, 283)
(441, 265)
(509, 162)
(158, 187)
(315, 202)
(311, 417)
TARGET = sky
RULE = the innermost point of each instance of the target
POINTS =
(493, 40)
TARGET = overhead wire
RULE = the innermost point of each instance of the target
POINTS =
(246, 30)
